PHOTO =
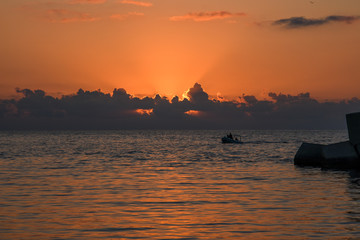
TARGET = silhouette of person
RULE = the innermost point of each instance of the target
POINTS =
(230, 136)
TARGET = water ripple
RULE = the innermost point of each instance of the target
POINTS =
(171, 185)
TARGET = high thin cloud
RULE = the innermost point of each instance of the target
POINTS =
(120, 110)
(137, 3)
(299, 22)
(87, 1)
(206, 16)
(125, 16)
(66, 16)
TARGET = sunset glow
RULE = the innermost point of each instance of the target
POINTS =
(180, 119)
(193, 113)
(163, 47)
(144, 111)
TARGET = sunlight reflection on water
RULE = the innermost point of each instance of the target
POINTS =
(171, 185)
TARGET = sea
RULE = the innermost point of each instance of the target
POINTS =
(172, 184)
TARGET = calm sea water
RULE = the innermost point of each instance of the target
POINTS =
(171, 185)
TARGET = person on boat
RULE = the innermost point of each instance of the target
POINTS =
(230, 136)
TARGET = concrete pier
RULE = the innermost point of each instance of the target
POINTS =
(343, 155)
(353, 126)
(309, 154)
(340, 155)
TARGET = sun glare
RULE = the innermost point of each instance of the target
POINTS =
(194, 113)
(144, 111)
(185, 95)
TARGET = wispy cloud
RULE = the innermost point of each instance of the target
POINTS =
(87, 1)
(206, 16)
(67, 16)
(125, 16)
(137, 3)
(300, 22)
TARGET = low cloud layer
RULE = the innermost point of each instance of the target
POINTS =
(300, 22)
(206, 16)
(120, 110)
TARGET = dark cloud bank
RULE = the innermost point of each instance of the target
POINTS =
(300, 22)
(120, 110)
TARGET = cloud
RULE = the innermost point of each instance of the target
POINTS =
(87, 1)
(206, 16)
(299, 22)
(137, 3)
(67, 16)
(196, 94)
(125, 16)
(120, 110)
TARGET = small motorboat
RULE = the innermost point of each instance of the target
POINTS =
(227, 139)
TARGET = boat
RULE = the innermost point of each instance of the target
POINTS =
(231, 140)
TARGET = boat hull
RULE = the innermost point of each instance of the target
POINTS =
(229, 140)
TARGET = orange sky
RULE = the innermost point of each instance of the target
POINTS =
(165, 46)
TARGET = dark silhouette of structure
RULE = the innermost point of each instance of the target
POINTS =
(343, 155)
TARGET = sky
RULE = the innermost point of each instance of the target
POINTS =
(230, 47)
